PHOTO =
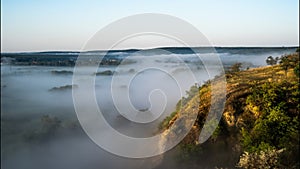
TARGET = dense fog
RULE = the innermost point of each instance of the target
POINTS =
(39, 125)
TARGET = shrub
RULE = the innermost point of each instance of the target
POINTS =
(296, 70)
(277, 126)
(271, 61)
(289, 61)
(268, 158)
(235, 67)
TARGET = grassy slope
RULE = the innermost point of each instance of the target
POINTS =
(237, 113)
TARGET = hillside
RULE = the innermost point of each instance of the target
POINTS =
(259, 127)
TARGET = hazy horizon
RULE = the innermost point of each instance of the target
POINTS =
(158, 47)
(63, 26)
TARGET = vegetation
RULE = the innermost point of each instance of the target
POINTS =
(277, 126)
(188, 151)
(271, 61)
(64, 88)
(190, 94)
(297, 71)
(165, 123)
(260, 160)
(235, 68)
(106, 72)
(260, 123)
(49, 127)
(184, 100)
(62, 72)
(289, 61)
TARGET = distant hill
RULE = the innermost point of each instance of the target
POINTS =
(114, 57)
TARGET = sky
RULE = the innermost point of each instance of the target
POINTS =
(32, 25)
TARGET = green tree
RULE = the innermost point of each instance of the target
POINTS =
(271, 61)
(285, 64)
(277, 127)
(289, 61)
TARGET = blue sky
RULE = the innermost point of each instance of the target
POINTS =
(32, 25)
